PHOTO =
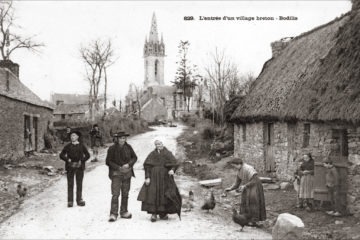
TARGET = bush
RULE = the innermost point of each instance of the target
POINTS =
(208, 133)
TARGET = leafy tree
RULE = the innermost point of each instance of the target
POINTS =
(186, 77)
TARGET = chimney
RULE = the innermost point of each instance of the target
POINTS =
(13, 67)
(278, 46)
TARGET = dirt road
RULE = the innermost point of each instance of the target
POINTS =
(46, 215)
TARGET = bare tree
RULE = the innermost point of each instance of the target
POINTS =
(97, 57)
(138, 91)
(11, 41)
(219, 72)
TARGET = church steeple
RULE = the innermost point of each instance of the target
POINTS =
(154, 53)
(153, 37)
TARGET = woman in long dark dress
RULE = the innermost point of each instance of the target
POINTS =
(252, 197)
(159, 194)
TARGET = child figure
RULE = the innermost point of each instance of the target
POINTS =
(332, 185)
(297, 188)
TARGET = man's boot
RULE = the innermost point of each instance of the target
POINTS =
(124, 208)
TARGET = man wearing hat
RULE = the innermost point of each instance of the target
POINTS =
(120, 159)
(75, 154)
(96, 141)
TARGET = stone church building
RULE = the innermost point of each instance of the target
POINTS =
(157, 100)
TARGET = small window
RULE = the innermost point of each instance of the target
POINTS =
(62, 116)
(244, 132)
(306, 141)
(174, 101)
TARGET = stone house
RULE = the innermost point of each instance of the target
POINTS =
(74, 106)
(71, 112)
(307, 100)
(20, 109)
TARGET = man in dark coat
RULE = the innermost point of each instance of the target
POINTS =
(120, 159)
(159, 194)
(75, 154)
(65, 137)
(96, 141)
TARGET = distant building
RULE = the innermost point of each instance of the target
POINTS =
(73, 106)
(157, 100)
(21, 109)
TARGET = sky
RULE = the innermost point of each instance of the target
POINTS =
(65, 26)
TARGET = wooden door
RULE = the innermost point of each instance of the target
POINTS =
(339, 156)
(35, 132)
(269, 147)
(340, 159)
(26, 135)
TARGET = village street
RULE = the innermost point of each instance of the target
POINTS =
(46, 216)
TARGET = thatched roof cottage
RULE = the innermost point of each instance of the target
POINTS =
(307, 99)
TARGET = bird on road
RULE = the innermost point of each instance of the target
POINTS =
(190, 203)
(21, 191)
(209, 203)
(241, 219)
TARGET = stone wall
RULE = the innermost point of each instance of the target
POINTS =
(252, 149)
(289, 149)
(153, 110)
(12, 114)
(353, 196)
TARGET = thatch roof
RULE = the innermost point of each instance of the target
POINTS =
(11, 87)
(71, 108)
(315, 78)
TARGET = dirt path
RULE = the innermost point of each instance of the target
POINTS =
(46, 216)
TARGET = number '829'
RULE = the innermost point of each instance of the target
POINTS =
(188, 18)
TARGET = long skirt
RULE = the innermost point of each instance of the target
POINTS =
(154, 197)
(253, 200)
(306, 186)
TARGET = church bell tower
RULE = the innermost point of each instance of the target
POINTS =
(154, 53)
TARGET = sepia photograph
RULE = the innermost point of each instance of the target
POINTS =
(180, 119)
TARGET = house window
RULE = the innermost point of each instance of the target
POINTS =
(306, 141)
(62, 116)
(156, 66)
(58, 102)
(269, 133)
(244, 132)
(181, 101)
(174, 101)
(163, 100)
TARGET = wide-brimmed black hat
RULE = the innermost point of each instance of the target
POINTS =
(76, 132)
(121, 134)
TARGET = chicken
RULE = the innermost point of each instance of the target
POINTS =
(189, 204)
(209, 203)
(241, 219)
(21, 191)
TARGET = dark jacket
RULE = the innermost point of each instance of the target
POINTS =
(75, 152)
(117, 156)
(95, 138)
(164, 158)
